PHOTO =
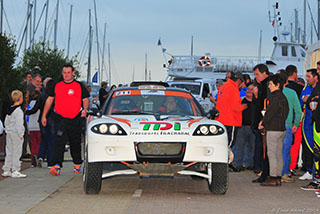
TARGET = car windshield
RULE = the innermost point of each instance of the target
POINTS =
(193, 88)
(155, 102)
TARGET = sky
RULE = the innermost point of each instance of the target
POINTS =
(221, 28)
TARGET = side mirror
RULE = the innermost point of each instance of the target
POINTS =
(213, 114)
(94, 111)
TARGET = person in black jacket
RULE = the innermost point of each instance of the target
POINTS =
(103, 94)
(274, 123)
(292, 73)
(261, 162)
(47, 133)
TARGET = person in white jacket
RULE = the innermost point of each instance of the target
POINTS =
(14, 128)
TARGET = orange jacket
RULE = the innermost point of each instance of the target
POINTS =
(229, 104)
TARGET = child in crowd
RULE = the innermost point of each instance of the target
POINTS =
(14, 138)
(34, 129)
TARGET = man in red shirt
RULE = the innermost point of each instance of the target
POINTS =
(229, 105)
(71, 103)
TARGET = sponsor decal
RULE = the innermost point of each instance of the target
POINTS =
(70, 92)
(141, 119)
(158, 133)
(160, 126)
(120, 93)
(152, 92)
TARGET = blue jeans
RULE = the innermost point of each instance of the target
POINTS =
(287, 143)
(245, 147)
(47, 142)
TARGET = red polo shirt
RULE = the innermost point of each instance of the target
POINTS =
(68, 98)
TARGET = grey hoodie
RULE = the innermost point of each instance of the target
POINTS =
(14, 121)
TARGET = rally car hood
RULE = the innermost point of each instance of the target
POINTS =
(150, 123)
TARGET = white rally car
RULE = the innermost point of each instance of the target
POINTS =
(154, 131)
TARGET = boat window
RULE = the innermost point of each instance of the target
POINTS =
(284, 50)
(303, 54)
(293, 51)
(194, 88)
(208, 69)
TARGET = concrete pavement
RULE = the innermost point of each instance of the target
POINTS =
(18, 195)
(179, 195)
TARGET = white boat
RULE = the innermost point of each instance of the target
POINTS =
(286, 53)
(183, 66)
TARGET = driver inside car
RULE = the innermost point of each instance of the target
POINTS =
(170, 105)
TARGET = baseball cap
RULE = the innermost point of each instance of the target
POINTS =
(238, 75)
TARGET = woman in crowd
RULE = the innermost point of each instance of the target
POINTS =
(274, 124)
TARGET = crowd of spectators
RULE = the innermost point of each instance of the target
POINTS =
(267, 119)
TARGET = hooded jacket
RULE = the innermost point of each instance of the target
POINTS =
(229, 104)
(13, 122)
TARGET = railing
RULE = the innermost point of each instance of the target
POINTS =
(218, 63)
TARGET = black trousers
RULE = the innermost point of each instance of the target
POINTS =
(307, 156)
(67, 130)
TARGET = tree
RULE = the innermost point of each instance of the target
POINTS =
(43, 60)
(10, 77)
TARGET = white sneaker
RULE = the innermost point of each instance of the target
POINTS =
(306, 176)
(6, 174)
(17, 174)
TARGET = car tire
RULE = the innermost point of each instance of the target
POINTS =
(92, 177)
(218, 178)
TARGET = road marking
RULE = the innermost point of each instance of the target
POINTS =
(137, 193)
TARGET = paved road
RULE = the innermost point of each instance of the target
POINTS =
(179, 195)
(18, 195)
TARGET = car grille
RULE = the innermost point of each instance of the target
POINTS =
(160, 148)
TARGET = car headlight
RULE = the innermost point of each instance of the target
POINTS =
(103, 128)
(204, 130)
(113, 129)
(208, 130)
(108, 129)
(213, 129)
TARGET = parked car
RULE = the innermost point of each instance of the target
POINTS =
(199, 88)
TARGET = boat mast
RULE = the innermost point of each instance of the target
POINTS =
(27, 25)
(1, 17)
(311, 34)
(56, 26)
(296, 25)
(69, 34)
(97, 38)
(34, 21)
(109, 63)
(318, 19)
(25, 31)
(45, 22)
(191, 45)
(90, 48)
(304, 22)
(146, 68)
(133, 73)
(103, 48)
(260, 45)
